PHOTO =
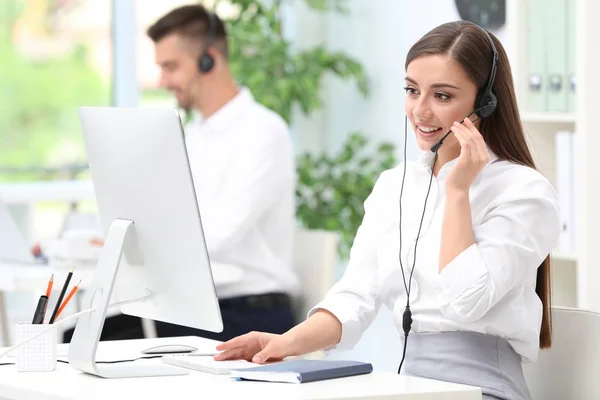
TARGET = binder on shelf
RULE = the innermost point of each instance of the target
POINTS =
(555, 34)
(574, 198)
(565, 187)
(536, 57)
(571, 54)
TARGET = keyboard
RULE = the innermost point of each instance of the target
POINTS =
(206, 363)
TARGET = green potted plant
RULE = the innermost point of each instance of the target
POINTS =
(331, 187)
(280, 77)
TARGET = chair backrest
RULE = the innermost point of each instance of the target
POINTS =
(568, 370)
(315, 258)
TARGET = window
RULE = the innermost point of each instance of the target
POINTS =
(56, 56)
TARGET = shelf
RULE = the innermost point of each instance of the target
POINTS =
(549, 117)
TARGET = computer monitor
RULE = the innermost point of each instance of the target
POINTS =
(13, 247)
(148, 208)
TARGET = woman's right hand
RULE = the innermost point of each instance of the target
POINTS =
(321, 330)
(257, 347)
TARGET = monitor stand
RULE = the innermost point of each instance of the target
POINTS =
(82, 350)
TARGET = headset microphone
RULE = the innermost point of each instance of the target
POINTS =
(437, 146)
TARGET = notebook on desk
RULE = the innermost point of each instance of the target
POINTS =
(302, 371)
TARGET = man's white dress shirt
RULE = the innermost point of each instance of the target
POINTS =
(243, 169)
(488, 288)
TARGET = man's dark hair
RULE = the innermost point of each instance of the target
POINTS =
(191, 22)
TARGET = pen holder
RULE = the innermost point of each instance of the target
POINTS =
(40, 353)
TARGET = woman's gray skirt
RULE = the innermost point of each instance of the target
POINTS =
(470, 358)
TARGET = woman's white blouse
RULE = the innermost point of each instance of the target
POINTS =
(488, 288)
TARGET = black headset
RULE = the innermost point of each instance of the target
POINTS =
(485, 104)
(206, 62)
(486, 101)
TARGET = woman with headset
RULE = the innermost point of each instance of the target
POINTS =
(457, 244)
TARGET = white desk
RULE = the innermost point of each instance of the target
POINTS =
(67, 384)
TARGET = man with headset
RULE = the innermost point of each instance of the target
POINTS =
(241, 158)
(242, 164)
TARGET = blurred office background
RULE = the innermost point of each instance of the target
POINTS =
(341, 91)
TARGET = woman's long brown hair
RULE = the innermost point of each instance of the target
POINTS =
(503, 132)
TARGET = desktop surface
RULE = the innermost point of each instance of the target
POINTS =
(67, 383)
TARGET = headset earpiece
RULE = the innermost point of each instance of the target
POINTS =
(487, 105)
(206, 62)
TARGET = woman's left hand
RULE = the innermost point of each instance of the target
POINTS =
(473, 157)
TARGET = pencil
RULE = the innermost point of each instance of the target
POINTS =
(50, 283)
(64, 304)
(61, 296)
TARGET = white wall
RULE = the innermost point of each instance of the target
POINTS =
(379, 34)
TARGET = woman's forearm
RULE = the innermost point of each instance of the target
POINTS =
(457, 227)
(320, 331)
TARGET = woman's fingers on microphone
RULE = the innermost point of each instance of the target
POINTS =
(482, 152)
(468, 147)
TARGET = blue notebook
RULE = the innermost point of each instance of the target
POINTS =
(301, 371)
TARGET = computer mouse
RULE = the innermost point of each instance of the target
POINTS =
(170, 348)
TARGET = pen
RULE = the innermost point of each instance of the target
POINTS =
(64, 304)
(50, 283)
(61, 296)
(40, 310)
